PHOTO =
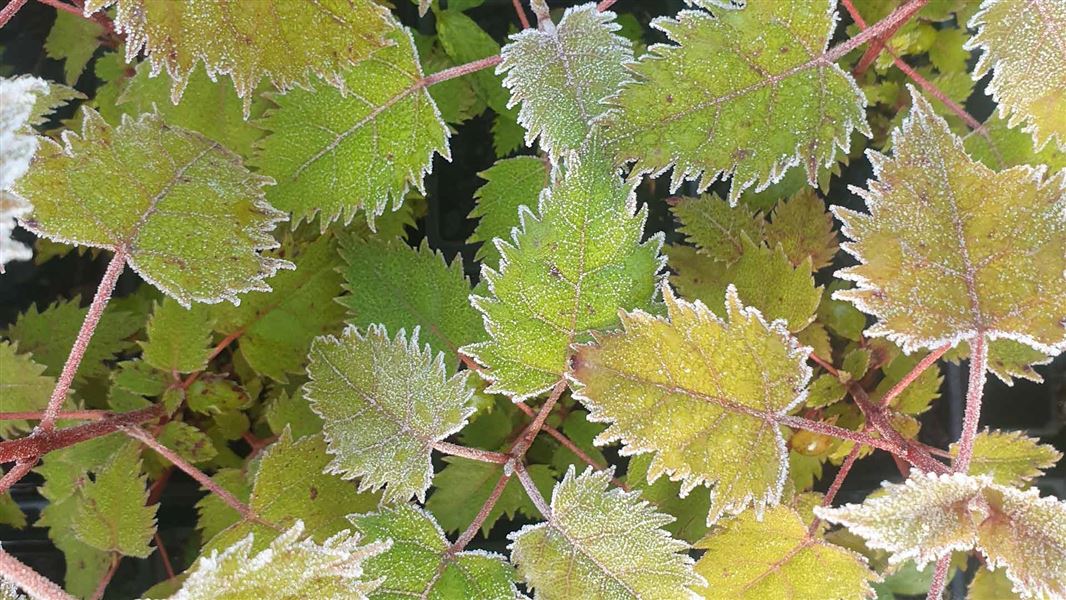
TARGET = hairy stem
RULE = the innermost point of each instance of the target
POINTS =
(482, 514)
(975, 386)
(35, 446)
(63, 6)
(527, 437)
(16, 473)
(116, 558)
(894, 19)
(459, 71)
(73, 415)
(164, 556)
(531, 490)
(13, 7)
(834, 488)
(940, 578)
(478, 454)
(521, 13)
(571, 446)
(605, 5)
(81, 343)
(916, 372)
(36, 585)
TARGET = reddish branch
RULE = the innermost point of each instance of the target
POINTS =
(482, 514)
(39, 444)
(116, 558)
(69, 415)
(31, 581)
(478, 454)
(13, 7)
(16, 473)
(531, 490)
(929, 360)
(978, 364)
(519, 11)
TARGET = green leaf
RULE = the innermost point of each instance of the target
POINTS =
(392, 284)
(213, 514)
(293, 411)
(764, 278)
(582, 432)
(689, 512)
(700, 392)
(455, 98)
(190, 216)
(773, 557)
(566, 273)
(601, 543)
(804, 229)
(919, 395)
(384, 404)
(929, 516)
(840, 317)
(23, 386)
(1028, 82)
(1009, 457)
(743, 93)
(1007, 359)
(715, 228)
(73, 39)
(1005, 147)
(465, 41)
(189, 442)
(991, 585)
(952, 249)
(420, 563)
(261, 39)
(179, 338)
(11, 514)
(463, 486)
(509, 184)
(111, 513)
(561, 73)
(276, 327)
(291, 567)
(333, 153)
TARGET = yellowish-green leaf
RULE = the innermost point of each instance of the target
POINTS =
(463, 486)
(1023, 45)
(282, 40)
(73, 39)
(1005, 147)
(804, 229)
(991, 585)
(1009, 457)
(929, 516)
(773, 557)
(702, 393)
(179, 338)
(11, 514)
(742, 93)
(599, 543)
(384, 403)
(23, 386)
(715, 228)
(689, 512)
(111, 512)
(509, 184)
(952, 249)
(334, 153)
(1007, 360)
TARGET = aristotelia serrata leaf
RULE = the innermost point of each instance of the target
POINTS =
(509, 184)
(385, 403)
(1009, 457)
(700, 392)
(952, 249)
(601, 542)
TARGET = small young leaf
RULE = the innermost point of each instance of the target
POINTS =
(1004, 147)
(1009, 457)
(189, 442)
(23, 386)
(929, 516)
(190, 216)
(291, 567)
(1007, 360)
(715, 228)
(919, 395)
(991, 585)
(509, 184)
(695, 390)
(463, 486)
(774, 557)
(560, 73)
(384, 404)
(293, 411)
(952, 249)
(566, 272)
(689, 512)
(179, 338)
(420, 564)
(804, 229)
(73, 39)
(111, 512)
(601, 543)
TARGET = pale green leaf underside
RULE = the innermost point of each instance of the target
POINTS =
(560, 73)
(602, 543)
(283, 40)
(384, 403)
(952, 249)
(335, 152)
(420, 565)
(702, 394)
(509, 184)
(566, 273)
(191, 217)
(743, 93)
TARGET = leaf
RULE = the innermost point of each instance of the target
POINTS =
(276, 327)
(743, 93)
(420, 562)
(840, 317)
(763, 277)
(465, 41)
(384, 404)
(1009, 458)
(11, 514)
(260, 39)
(179, 338)
(189, 442)
(566, 272)
(929, 516)
(392, 284)
(991, 585)
(463, 486)
(214, 515)
(774, 557)
(509, 184)
(111, 513)
(577, 552)
(191, 217)
(333, 153)
(1007, 359)
(689, 512)
(919, 395)
(715, 228)
(952, 249)
(292, 567)
(1020, 48)
(804, 229)
(293, 411)
(560, 73)
(579, 430)
(1005, 147)
(23, 386)
(701, 393)
(73, 39)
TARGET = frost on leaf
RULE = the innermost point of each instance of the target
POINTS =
(291, 567)
(250, 40)
(774, 557)
(1009, 457)
(602, 542)
(560, 73)
(566, 272)
(1025, 48)
(715, 228)
(192, 218)
(335, 153)
(804, 229)
(384, 403)
(929, 516)
(509, 184)
(110, 512)
(952, 249)
(700, 392)
(743, 93)
(420, 563)
(10, 591)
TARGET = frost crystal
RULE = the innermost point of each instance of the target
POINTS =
(17, 146)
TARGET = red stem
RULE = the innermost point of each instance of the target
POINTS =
(838, 481)
(531, 490)
(482, 514)
(13, 7)
(116, 558)
(16, 473)
(498, 458)
(29, 580)
(38, 444)
(940, 578)
(978, 364)
(916, 372)
(912, 453)
(605, 4)
(459, 71)
(35, 415)
(57, 4)
(521, 13)
(164, 556)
